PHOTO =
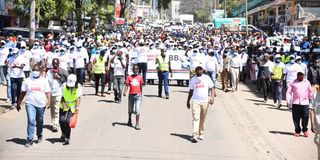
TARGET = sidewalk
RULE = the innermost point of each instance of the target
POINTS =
(4, 107)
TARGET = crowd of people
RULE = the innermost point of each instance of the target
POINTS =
(119, 61)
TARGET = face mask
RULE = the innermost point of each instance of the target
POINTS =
(299, 62)
(292, 61)
(79, 49)
(35, 47)
(22, 50)
(62, 53)
(278, 60)
(35, 74)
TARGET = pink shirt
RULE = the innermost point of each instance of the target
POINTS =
(301, 92)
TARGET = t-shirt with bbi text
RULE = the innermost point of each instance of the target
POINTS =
(200, 86)
(135, 83)
(36, 90)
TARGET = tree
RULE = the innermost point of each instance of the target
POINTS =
(163, 5)
(200, 9)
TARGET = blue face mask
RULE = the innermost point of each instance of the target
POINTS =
(292, 61)
(35, 74)
(278, 60)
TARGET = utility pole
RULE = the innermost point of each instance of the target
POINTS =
(247, 18)
(38, 14)
(225, 8)
(32, 28)
(211, 15)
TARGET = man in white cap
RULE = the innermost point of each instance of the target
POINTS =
(142, 53)
(212, 66)
(64, 59)
(235, 67)
(277, 80)
(303, 66)
(16, 64)
(199, 86)
(290, 73)
(27, 55)
(119, 62)
(164, 68)
(71, 94)
(20, 42)
(81, 58)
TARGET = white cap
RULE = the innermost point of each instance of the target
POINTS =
(277, 56)
(162, 46)
(141, 41)
(19, 36)
(15, 50)
(72, 79)
(211, 50)
(36, 43)
(298, 57)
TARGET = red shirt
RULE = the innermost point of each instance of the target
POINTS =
(135, 83)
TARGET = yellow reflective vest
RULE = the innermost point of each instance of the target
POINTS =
(163, 63)
(70, 99)
(100, 66)
(277, 72)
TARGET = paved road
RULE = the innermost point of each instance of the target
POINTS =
(238, 126)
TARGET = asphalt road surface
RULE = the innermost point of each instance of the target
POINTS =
(238, 126)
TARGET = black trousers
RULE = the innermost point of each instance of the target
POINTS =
(16, 84)
(300, 112)
(266, 87)
(143, 69)
(64, 121)
(97, 78)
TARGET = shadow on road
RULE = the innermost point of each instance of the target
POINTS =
(255, 100)
(48, 127)
(285, 109)
(17, 141)
(120, 124)
(89, 94)
(181, 91)
(263, 104)
(183, 136)
(151, 96)
(107, 101)
(54, 140)
(282, 133)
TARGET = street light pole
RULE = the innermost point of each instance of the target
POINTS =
(32, 28)
(247, 18)
(225, 8)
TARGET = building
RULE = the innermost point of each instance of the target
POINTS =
(7, 15)
(279, 13)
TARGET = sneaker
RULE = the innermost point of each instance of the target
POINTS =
(109, 92)
(63, 138)
(159, 95)
(137, 127)
(194, 140)
(167, 97)
(28, 144)
(265, 101)
(14, 105)
(67, 141)
(201, 137)
(279, 105)
(39, 140)
(306, 134)
(297, 134)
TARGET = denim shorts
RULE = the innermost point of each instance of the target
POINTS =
(134, 103)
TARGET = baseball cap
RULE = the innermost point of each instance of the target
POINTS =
(72, 79)
(211, 50)
(277, 56)
(298, 57)
(15, 50)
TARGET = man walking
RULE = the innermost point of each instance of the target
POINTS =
(119, 68)
(99, 71)
(199, 86)
(277, 80)
(301, 92)
(56, 77)
(164, 68)
(235, 67)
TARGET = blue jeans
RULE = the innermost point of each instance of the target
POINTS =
(16, 84)
(26, 74)
(8, 87)
(213, 76)
(2, 77)
(80, 75)
(35, 117)
(118, 86)
(277, 88)
(163, 78)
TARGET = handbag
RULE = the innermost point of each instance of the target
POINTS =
(73, 120)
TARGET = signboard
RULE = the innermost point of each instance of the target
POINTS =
(292, 31)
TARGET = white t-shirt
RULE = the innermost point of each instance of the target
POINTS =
(142, 54)
(50, 57)
(118, 69)
(38, 55)
(3, 55)
(291, 71)
(211, 63)
(27, 55)
(200, 87)
(18, 61)
(80, 57)
(36, 90)
(196, 59)
(64, 61)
